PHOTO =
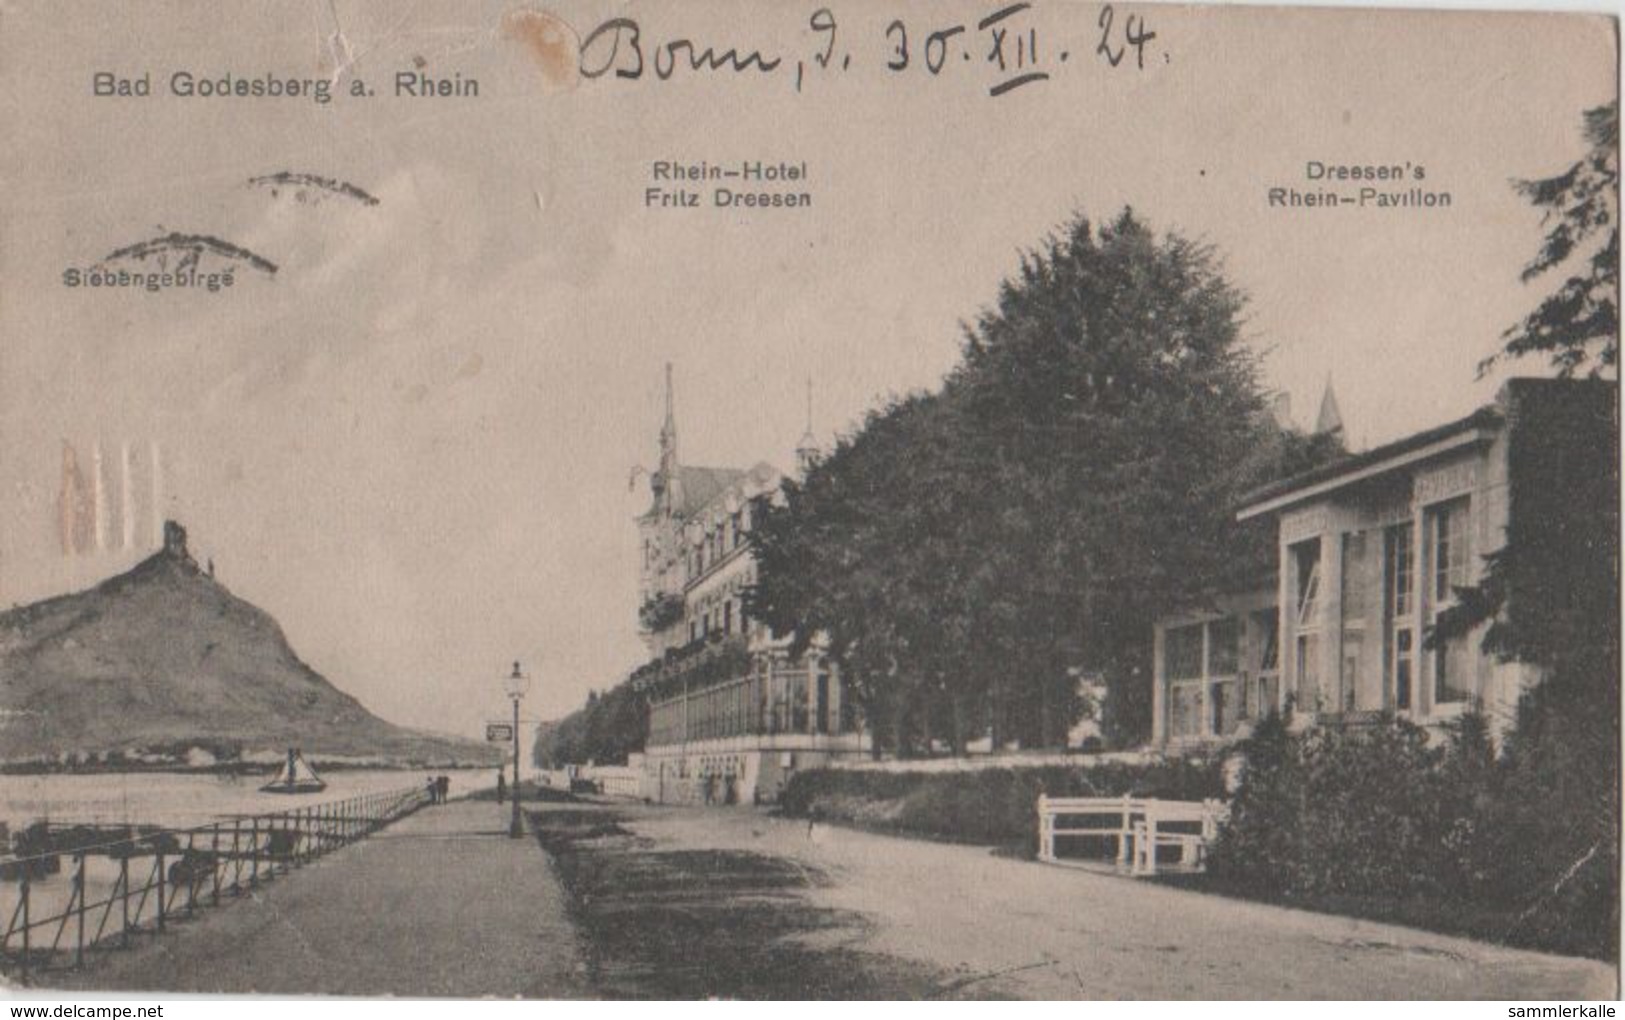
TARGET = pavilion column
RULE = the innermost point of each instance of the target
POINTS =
(835, 698)
(811, 661)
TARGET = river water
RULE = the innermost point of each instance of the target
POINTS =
(182, 800)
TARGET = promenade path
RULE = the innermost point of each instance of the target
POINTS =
(943, 920)
(442, 903)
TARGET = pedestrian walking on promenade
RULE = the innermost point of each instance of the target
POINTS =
(502, 787)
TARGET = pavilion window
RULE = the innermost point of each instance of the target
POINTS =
(1308, 667)
(1184, 711)
(1224, 696)
(1224, 706)
(1359, 691)
(1306, 657)
(1399, 587)
(1224, 647)
(1202, 669)
(1183, 653)
(1183, 669)
(1266, 680)
(1306, 555)
(1446, 532)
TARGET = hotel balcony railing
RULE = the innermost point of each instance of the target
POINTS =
(769, 700)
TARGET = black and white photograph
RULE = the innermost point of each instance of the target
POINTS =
(698, 500)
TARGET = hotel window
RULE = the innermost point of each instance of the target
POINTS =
(1449, 554)
(728, 617)
(739, 528)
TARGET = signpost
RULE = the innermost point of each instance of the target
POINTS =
(498, 733)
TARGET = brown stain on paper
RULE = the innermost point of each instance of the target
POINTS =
(551, 42)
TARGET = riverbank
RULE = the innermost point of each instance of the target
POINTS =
(734, 902)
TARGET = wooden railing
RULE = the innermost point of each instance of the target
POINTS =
(145, 877)
(1135, 829)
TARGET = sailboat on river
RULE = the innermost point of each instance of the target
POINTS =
(295, 777)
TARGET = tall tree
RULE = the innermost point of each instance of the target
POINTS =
(855, 553)
(1577, 324)
(1110, 382)
(965, 551)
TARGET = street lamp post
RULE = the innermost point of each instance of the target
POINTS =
(515, 685)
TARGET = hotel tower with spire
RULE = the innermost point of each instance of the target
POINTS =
(732, 716)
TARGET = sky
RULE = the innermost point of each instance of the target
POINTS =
(412, 444)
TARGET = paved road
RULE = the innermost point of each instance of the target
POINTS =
(1016, 928)
(440, 904)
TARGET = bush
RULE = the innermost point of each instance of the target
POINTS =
(1549, 840)
(1367, 811)
(990, 806)
(1384, 820)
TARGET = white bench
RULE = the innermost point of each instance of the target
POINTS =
(1138, 827)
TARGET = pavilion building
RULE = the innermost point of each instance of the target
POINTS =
(1370, 550)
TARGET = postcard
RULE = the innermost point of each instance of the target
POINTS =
(844, 500)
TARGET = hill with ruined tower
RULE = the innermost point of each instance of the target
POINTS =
(162, 664)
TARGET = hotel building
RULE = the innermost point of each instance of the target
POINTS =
(731, 714)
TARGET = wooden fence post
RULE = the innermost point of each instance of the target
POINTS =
(124, 901)
(79, 891)
(161, 876)
(28, 944)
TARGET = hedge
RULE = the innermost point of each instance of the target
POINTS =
(990, 806)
